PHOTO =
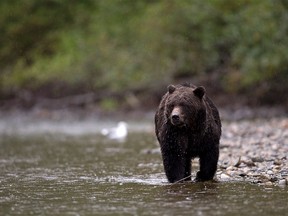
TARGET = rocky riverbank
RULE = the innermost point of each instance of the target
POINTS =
(255, 151)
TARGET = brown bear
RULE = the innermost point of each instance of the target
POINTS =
(187, 125)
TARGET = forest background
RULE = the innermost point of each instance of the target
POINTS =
(121, 54)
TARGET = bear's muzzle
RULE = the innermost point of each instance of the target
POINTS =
(176, 118)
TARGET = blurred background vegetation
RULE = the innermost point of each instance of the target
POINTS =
(123, 53)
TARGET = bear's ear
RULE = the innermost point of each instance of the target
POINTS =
(199, 91)
(171, 89)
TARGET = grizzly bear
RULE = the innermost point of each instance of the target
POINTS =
(187, 125)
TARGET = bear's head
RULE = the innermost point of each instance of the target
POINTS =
(185, 107)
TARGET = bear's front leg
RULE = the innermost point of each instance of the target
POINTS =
(175, 165)
(176, 161)
(208, 165)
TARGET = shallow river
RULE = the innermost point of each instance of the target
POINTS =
(58, 174)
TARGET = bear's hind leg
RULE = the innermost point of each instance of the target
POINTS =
(187, 170)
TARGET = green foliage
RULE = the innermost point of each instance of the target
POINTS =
(134, 44)
(35, 40)
(259, 33)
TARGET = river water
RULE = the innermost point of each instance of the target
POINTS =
(57, 173)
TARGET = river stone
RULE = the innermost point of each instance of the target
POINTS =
(268, 183)
(277, 162)
(230, 168)
(282, 182)
(225, 177)
(270, 172)
(274, 179)
(257, 159)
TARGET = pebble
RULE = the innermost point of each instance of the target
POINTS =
(230, 168)
(268, 183)
(270, 172)
(282, 182)
(257, 159)
(277, 162)
(225, 177)
(246, 170)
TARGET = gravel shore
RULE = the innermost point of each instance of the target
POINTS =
(255, 151)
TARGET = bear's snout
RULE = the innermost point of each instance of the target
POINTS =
(176, 116)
